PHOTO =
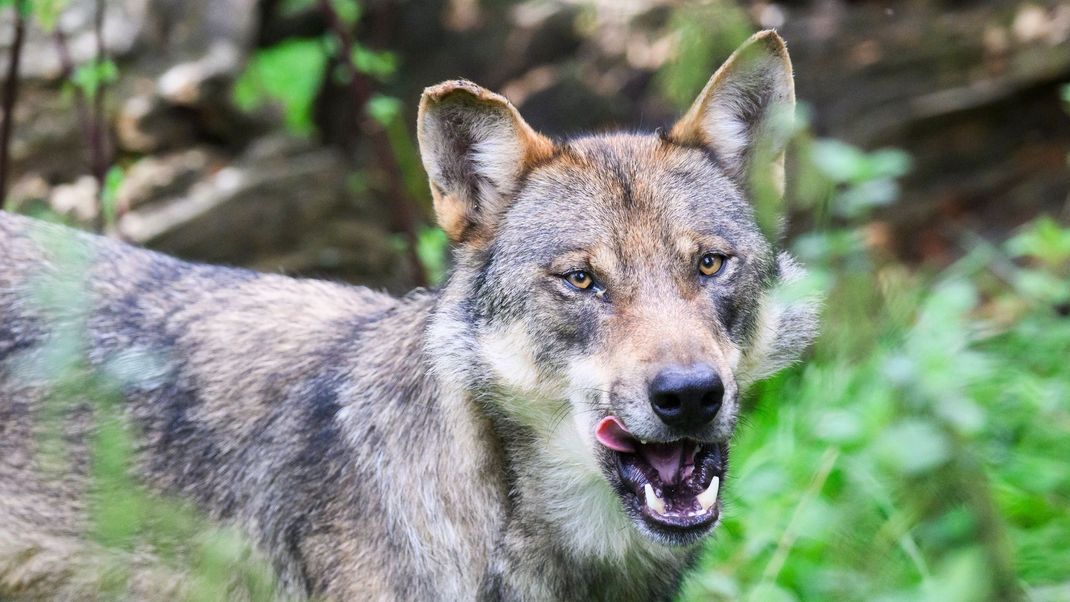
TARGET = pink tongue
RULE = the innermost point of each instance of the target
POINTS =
(612, 434)
(666, 458)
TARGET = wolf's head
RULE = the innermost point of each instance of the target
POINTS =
(614, 293)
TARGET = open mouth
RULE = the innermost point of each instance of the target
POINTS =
(673, 485)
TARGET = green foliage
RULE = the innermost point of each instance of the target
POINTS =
(947, 443)
(290, 74)
(109, 197)
(347, 10)
(707, 33)
(920, 452)
(93, 75)
(864, 181)
(834, 179)
(378, 64)
(387, 112)
(124, 517)
(384, 109)
(1044, 241)
(432, 247)
(24, 7)
(46, 12)
(1044, 250)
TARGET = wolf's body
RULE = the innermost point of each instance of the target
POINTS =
(437, 446)
(299, 409)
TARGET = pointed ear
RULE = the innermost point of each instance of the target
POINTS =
(732, 115)
(474, 146)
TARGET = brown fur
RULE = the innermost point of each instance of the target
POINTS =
(437, 446)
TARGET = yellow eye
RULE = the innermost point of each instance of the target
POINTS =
(711, 264)
(579, 279)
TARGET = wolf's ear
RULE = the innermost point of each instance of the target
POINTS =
(732, 114)
(474, 146)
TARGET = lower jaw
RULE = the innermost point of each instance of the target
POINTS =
(678, 533)
(674, 527)
(699, 521)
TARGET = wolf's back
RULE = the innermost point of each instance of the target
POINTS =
(229, 376)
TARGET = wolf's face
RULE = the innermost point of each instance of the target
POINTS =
(615, 291)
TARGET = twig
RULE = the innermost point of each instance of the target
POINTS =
(80, 108)
(991, 528)
(10, 95)
(361, 89)
(98, 147)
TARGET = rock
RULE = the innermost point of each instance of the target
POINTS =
(206, 43)
(348, 247)
(283, 205)
(242, 210)
(204, 80)
(27, 192)
(47, 140)
(191, 29)
(146, 124)
(155, 178)
(77, 200)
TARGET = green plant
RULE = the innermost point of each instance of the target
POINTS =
(290, 74)
(124, 516)
(918, 453)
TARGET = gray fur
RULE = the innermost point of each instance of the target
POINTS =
(437, 446)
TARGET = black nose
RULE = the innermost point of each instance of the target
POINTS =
(686, 397)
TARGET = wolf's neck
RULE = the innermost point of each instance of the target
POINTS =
(566, 535)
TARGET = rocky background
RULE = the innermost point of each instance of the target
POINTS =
(231, 131)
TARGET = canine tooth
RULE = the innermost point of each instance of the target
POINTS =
(708, 498)
(653, 501)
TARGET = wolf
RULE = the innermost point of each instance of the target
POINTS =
(553, 423)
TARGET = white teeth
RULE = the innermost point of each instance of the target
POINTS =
(654, 502)
(642, 441)
(707, 498)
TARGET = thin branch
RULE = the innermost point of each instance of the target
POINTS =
(361, 88)
(99, 159)
(10, 95)
(80, 107)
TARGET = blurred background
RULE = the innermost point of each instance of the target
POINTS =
(923, 449)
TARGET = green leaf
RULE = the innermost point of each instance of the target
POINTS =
(432, 247)
(889, 163)
(839, 426)
(838, 160)
(91, 76)
(347, 10)
(706, 33)
(384, 109)
(289, 74)
(47, 12)
(109, 196)
(1043, 239)
(377, 64)
(914, 446)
